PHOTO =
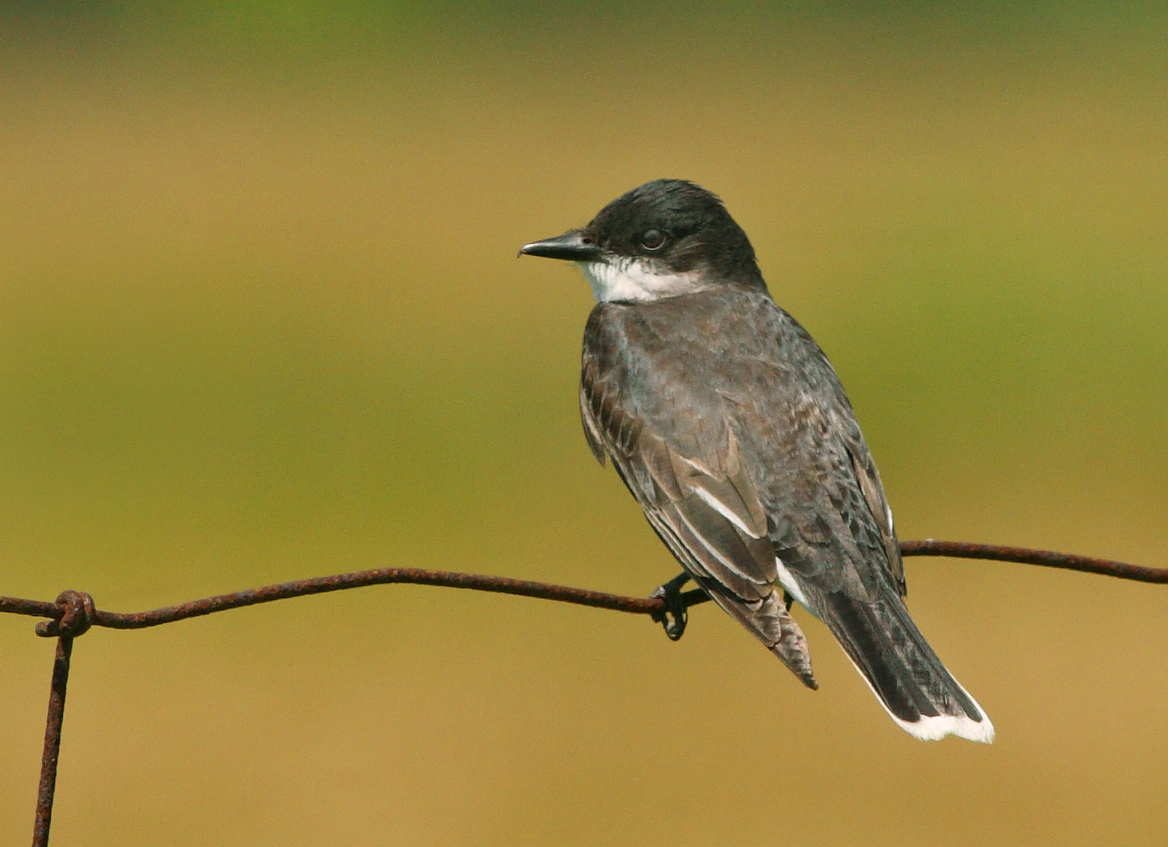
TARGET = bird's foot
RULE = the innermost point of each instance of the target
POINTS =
(676, 606)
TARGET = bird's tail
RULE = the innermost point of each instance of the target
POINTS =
(902, 670)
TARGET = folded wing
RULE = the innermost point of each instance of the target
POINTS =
(708, 513)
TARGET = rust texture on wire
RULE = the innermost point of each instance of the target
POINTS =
(52, 749)
(77, 613)
(74, 612)
(58, 611)
(1024, 556)
(340, 582)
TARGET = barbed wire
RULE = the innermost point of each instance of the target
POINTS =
(73, 613)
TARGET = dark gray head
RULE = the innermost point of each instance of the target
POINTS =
(667, 237)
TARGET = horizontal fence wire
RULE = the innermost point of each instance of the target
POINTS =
(1026, 556)
(74, 612)
(55, 611)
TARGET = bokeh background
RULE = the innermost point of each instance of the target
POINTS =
(261, 319)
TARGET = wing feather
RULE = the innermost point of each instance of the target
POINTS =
(869, 480)
(708, 513)
(591, 433)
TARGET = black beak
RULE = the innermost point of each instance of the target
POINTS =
(572, 246)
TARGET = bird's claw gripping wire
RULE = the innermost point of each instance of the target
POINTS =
(676, 606)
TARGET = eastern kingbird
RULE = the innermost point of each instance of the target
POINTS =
(730, 427)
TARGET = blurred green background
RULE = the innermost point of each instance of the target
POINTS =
(261, 319)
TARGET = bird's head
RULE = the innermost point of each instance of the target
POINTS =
(666, 238)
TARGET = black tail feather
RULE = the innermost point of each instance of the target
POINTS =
(889, 651)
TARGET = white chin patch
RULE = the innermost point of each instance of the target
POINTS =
(636, 280)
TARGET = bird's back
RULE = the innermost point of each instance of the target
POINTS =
(733, 392)
(692, 368)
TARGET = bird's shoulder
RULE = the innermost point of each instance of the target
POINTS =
(675, 363)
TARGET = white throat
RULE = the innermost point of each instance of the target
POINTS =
(637, 280)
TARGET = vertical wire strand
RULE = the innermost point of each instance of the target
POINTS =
(52, 750)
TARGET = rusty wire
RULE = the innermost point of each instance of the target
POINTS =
(52, 749)
(1026, 556)
(74, 612)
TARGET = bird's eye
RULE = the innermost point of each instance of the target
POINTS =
(652, 239)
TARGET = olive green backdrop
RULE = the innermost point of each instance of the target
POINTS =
(261, 318)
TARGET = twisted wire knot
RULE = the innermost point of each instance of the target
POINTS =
(78, 617)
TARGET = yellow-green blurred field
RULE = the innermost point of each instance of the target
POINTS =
(261, 319)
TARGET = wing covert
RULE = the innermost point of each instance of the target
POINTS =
(707, 511)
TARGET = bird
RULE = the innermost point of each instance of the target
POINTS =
(730, 428)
